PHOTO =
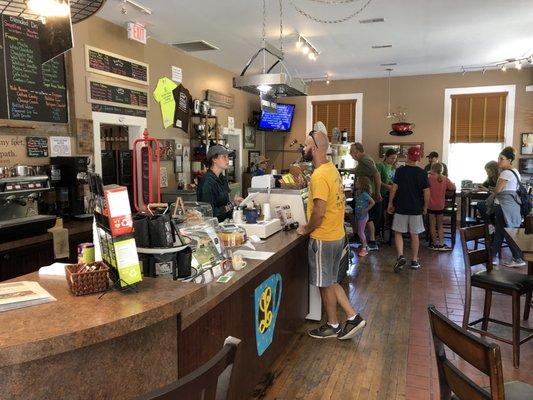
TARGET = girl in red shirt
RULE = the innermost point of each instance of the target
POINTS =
(438, 185)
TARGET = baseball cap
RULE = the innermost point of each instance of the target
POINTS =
(414, 153)
(217, 150)
(433, 154)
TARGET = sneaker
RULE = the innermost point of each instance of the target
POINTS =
(515, 263)
(433, 247)
(350, 328)
(362, 251)
(325, 331)
(400, 262)
(372, 246)
(444, 248)
(415, 264)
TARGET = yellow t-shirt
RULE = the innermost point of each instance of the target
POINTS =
(164, 96)
(326, 184)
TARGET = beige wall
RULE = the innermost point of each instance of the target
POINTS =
(198, 76)
(422, 96)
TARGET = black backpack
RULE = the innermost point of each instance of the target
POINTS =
(521, 191)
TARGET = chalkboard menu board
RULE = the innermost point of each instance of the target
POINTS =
(122, 96)
(118, 110)
(35, 91)
(37, 146)
(116, 66)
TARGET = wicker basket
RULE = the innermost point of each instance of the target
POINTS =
(81, 280)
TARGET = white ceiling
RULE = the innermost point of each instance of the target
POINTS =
(428, 36)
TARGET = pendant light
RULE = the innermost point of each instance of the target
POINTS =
(389, 114)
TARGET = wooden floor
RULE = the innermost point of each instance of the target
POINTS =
(393, 357)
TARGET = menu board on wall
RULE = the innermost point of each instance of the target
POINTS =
(118, 110)
(116, 66)
(122, 96)
(36, 146)
(35, 91)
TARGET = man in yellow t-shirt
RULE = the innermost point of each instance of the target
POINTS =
(164, 96)
(325, 215)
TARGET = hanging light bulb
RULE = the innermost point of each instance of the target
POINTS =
(518, 65)
(49, 8)
(504, 68)
(305, 49)
(327, 79)
(312, 56)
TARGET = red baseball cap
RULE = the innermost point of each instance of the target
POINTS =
(414, 153)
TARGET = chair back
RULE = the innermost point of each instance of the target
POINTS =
(450, 204)
(209, 382)
(479, 353)
(475, 256)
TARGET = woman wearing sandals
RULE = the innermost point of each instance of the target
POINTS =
(438, 185)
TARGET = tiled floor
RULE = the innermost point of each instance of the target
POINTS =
(393, 357)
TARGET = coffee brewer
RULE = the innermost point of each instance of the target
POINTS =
(69, 178)
(19, 206)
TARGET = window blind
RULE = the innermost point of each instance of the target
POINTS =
(478, 118)
(336, 114)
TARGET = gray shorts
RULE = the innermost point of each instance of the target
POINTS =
(408, 223)
(324, 260)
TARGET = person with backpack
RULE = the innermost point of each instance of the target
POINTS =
(508, 201)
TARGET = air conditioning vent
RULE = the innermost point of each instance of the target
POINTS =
(388, 64)
(197, 45)
(382, 46)
(371, 20)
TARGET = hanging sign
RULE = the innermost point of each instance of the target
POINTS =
(137, 32)
(267, 298)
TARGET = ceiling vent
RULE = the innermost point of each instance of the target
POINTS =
(371, 20)
(382, 46)
(197, 45)
(388, 64)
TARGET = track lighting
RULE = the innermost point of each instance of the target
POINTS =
(518, 65)
(307, 48)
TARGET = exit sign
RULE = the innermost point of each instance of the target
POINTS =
(136, 32)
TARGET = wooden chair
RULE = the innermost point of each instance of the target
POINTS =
(513, 284)
(450, 211)
(479, 353)
(209, 382)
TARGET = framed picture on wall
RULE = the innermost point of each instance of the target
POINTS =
(249, 136)
(253, 155)
(525, 166)
(526, 148)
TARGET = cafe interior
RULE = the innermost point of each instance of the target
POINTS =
(135, 265)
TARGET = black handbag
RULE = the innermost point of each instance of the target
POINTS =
(161, 231)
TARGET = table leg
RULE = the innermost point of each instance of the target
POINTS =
(463, 210)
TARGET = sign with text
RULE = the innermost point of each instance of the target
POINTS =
(60, 146)
(36, 146)
(122, 96)
(106, 63)
(137, 32)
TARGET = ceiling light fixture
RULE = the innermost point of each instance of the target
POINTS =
(49, 8)
(264, 88)
(327, 79)
(518, 65)
(371, 20)
(504, 68)
(307, 48)
(141, 8)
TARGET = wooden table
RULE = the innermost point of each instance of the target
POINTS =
(466, 197)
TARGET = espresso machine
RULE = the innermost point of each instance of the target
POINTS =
(69, 178)
(19, 206)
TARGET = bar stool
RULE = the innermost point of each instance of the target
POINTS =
(513, 284)
(450, 211)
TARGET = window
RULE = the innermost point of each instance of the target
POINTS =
(336, 114)
(478, 118)
(466, 161)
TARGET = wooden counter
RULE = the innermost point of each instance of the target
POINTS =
(228, 310)
(117, 346)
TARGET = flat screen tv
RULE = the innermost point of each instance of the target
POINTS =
(279, 121)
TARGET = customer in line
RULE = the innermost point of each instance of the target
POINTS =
(438, 185)
(507, 207)
(433, 158)
(262, 165)
(213, 187)
(492, 170)
(408, 201)
(363, 202)
(386, 170)
(325, 214)
(367, 167)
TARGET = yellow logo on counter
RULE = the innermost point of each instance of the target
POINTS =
(264, 303)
